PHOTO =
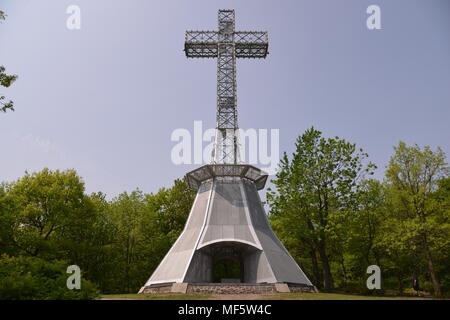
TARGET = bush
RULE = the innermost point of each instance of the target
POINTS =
(30, 278)
(358, 287)
(445, 286)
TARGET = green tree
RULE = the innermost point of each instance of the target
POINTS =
(316, 190)
(419, 223)
(442, 197)
(362, 233)
(47, 215)
(145, 227)
(6, 223)
(171, 207)
(31, 278)
(88, 242)
(117, 244)
(5, 81)
(45, 205)
(127, 213)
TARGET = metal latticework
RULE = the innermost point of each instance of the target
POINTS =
(200, 175)
(248, 44)
(227, 219)
(226, 45)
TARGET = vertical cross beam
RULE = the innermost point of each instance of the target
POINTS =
(226, 45)
(226, 121)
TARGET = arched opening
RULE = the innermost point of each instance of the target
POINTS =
(230, 262)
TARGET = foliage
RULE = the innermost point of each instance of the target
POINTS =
(116, 243)
(316, 191)
(45, 206)
(333, 219)
(38, 279)
(400, 224)
(5, 80)
(418, 224)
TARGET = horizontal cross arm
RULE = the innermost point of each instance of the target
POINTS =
(257, 37)
(251, 44)
(201, 44)
(202, 37)
(248, 44)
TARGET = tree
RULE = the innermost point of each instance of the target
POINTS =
(46, 205)
(6, 223)
(442, 252)
(5, 81)
(315, 190)
(28, 278)
(171, 208)
(46, 216)
(419, 223)
(88, 242)
(362, 233)
(369, 218)
(145, 227)
(127, 213)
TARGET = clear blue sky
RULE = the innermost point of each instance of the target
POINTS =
(104, 100)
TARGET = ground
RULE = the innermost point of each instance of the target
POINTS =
(277, 296)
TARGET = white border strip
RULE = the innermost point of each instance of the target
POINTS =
(251, 224)
(149, 281)
(208, 205)
(278, 240)
(228, 240)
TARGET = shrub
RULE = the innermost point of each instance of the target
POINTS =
(31, 278)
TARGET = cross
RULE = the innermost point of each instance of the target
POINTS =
(226, 45)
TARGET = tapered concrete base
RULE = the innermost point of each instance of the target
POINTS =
(227, 288)
(227, 221)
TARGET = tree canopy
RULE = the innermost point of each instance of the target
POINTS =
(332, 216)
(5, 81)
(336, 221)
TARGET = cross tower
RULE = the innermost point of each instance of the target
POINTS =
(226, 45)
(227, 236)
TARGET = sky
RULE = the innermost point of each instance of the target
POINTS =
(105, 99)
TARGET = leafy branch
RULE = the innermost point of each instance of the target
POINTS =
(5, 81)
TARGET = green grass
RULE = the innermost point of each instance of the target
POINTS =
(277, 296)
(332, 296)
(154, 296)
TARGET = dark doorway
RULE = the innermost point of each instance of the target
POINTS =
(230, 261)
(227, 270)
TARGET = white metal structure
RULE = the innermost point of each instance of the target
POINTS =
(227, 219)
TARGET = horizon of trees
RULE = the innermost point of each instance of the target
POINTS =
(341, 221)
(333, 218)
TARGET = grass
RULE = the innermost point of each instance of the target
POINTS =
(335, 296)
(154, 296)
(277, 296)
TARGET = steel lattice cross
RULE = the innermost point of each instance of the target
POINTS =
(226, 45)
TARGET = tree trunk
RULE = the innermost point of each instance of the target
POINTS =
(344, 270)
(327, 277)
(434, 280)
(317, 279)
(400, 283)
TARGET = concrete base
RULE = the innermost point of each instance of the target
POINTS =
(282, 287)
(227, 288)
(228, 222)
(179, 287)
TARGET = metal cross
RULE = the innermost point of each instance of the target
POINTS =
(226, 45)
